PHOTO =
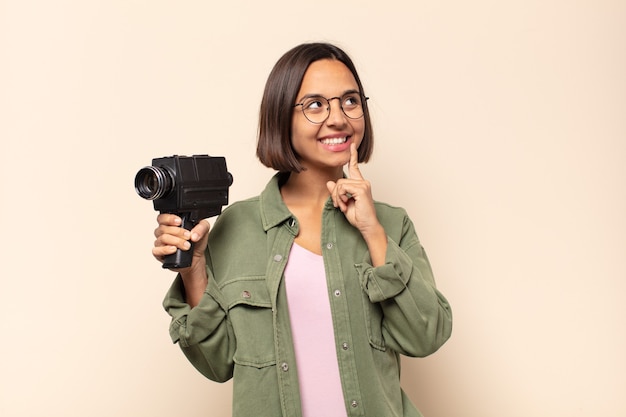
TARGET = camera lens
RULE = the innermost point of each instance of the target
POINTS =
(153, 183)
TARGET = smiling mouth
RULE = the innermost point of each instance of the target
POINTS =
(334, 141)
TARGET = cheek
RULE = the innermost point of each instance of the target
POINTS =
(359, 132)
(303, 131)
(295, 133)
(299, 137)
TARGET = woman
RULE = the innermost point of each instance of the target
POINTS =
(307, 294)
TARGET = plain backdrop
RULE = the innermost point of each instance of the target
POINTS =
(500, 127)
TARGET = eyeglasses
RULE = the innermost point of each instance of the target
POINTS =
(317, 108)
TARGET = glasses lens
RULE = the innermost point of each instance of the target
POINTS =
(352, 106)
(315, 109)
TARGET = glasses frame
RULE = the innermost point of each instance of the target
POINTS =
(363, 105)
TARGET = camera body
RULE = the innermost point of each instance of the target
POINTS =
(192, 187)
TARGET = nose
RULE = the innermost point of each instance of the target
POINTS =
(336, 117)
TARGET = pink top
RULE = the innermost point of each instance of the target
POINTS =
(313, 335)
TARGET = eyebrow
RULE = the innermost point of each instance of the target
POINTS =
(351, 91)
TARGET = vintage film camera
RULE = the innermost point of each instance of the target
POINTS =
(192, 187)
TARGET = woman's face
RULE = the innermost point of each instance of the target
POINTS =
(326, 145)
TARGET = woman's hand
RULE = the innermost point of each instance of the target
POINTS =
(353, 196)
(171, 237)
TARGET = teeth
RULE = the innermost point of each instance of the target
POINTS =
(334, 141)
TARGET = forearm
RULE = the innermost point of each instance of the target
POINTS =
(195, 281)
(376, 241)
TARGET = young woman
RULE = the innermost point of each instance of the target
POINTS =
(307, 294)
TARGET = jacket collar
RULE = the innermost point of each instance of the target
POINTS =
(273, 209)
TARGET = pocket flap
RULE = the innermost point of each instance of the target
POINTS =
(250, 291)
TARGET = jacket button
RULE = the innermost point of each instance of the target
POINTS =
(246, 294)
(284, 366)
(329, 245)
(354, 404)
(278, 258)
(344, 346)
(337, 293)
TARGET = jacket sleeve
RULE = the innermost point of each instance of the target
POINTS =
(417, 319)
(203, 332)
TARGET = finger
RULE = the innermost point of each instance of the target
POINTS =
(200, 230)
(332, 189)
(353, 167)
(166, 240)
(172, 230)
(160, 252)
(342, 196)
(169, 219)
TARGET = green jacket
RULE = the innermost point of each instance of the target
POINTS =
(241, 327)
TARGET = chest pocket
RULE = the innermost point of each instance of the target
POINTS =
(250, 315)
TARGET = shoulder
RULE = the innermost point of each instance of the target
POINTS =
(243, 205)
(240, 210)
(239, 225)
(386, 210)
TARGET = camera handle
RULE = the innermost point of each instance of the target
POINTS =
(181, 258)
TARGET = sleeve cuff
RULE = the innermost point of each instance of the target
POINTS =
(388, 280)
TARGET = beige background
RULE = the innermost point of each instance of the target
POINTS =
(500, 127)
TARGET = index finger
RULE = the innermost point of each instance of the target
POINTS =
(353, 167)
(168, 219)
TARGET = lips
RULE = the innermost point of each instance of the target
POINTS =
(334, 141)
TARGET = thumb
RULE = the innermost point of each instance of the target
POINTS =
(331, 186)
(200, 230)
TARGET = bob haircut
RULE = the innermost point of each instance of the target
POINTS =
(274, 148)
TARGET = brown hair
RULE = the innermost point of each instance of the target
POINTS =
(274, 148)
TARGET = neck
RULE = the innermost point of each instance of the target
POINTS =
(309, 187)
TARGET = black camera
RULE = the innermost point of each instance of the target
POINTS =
(192, 187)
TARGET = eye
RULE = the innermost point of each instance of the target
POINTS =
(352, 100)
(314, 104)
